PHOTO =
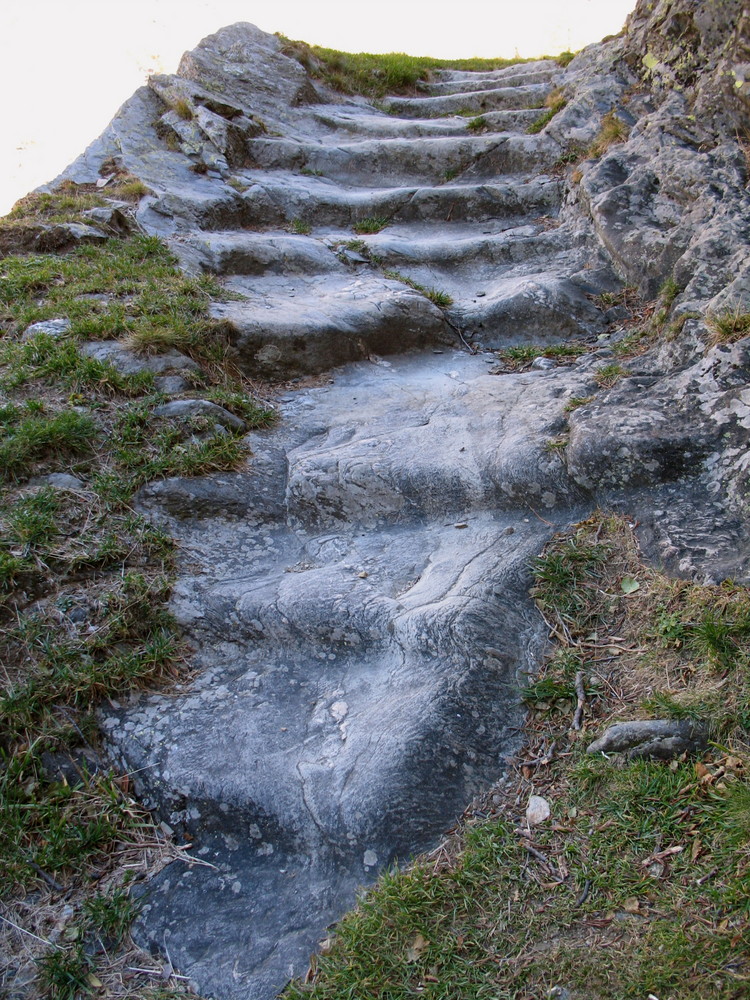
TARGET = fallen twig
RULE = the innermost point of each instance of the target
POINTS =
(22, 930)
(581, 693)
(51, 882)
(585, 894)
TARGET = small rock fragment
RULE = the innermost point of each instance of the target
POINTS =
(51, 327)
(200, 408)
(537, 811)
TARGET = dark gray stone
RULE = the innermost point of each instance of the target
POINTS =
(661, 739)
(128, 362)
(200, 408)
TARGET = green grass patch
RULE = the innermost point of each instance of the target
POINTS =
(370, 225)
(123, 288)
(555, 102)
(478, 124)
(29, 438)
(375, 75)
(69, 201)
(609, 375)
(300, 227)
(520, 357)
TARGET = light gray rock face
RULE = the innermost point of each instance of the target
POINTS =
(182, 408)
(356, 599)
(128, 362)
(358, 607)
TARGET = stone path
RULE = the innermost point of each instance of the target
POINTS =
(357, 599)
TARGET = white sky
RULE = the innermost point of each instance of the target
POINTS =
(67, 65)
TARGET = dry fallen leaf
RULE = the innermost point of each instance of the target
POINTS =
(418, 945)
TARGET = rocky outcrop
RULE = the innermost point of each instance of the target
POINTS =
(356, 599)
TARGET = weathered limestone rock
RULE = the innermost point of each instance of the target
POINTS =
(54, 328)
(200, 408)
(128, 362)
(357, 597)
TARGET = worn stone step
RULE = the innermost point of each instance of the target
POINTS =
(453, 249)
(289, 327)
(370, 122)
(276, 198)
(489, 81)
(477, 101)
(531, 69)
(387, 161)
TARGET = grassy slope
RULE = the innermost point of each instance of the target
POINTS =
(84, 580)
(375, 75)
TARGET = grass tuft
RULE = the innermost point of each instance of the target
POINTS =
(611, 131)
(555, 102)
(729, 326)
(300, 227)
(478, 124)
(370, 225)
(441, 299)
(520, 357)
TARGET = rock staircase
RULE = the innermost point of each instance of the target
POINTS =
(357, 598)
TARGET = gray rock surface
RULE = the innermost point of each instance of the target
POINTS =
(662, 739)
(50, 327)
(129, 362)
(200, 408)
(356, 599)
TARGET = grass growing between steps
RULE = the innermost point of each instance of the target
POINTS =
(638, 884)
(555, 102)
(519, 358)
(439, 298)
(84, 584)
(375, 75)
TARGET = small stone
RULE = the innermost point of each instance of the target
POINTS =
(200, 408)
(543, 364)
(537, 811)
(171, 385)
(51, 327)
(60, 480)
(370, 859)
(661, 739)
(363, 575)
(339, 710)
(128, 362)
(461, 524)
